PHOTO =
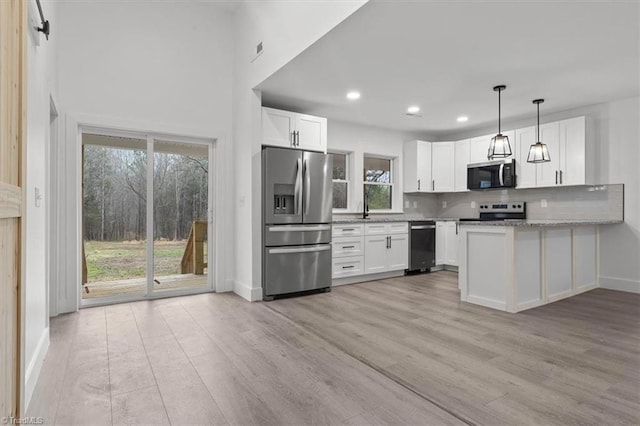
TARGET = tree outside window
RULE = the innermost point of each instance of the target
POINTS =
(340, 180)
(378, 184)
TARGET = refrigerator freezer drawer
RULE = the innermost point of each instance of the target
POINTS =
(299, 268)
(290, 235)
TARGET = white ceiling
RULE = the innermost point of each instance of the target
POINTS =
(447, 56)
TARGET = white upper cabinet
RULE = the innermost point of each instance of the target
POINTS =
(442, 166)
(312, 132)
(574, 152)
(416, 166)
(461, 161)
(292, 130)
(548, 173)
(479, 147)
(525, 172)
(566, 141)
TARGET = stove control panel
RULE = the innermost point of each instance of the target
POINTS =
(503, 207)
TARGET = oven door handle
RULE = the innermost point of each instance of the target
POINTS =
(424, 227)
(299, 249)
(501, 174)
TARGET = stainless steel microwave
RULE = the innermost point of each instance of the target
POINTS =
(492, 175)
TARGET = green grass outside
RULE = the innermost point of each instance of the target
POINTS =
(120, 260)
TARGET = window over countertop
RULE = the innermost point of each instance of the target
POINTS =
(378, 182)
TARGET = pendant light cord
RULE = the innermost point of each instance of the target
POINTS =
(499, 92)
(538, 133)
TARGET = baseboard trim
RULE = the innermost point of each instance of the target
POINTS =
(34, 368)
(364, 278)
(620, 284)
(246, 292)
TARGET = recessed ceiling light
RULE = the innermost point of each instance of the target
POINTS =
(413, 110)
(353, 95)
(462, 119)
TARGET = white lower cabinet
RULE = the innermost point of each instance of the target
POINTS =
(348, 266)
(447, 243)
(398, 254)
(384, 247)
(375, 259)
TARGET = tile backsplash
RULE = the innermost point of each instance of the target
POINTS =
(572, 202)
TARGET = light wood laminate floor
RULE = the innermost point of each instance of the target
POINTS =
(397, 351)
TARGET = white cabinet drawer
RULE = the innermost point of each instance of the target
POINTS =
(348, 266)
(376, 228)
(398, 227)
(386, 228)
(347, 230)
(348, 246)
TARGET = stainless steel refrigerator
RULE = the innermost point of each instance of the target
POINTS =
(297, 201)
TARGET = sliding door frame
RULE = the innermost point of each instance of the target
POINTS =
(151, 137)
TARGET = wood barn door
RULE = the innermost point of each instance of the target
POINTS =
(12, 124)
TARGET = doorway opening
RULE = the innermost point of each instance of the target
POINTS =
(146, 205)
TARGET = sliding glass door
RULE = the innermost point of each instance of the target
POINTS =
(140, 186)
(180, 222)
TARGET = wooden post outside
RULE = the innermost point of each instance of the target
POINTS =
(12, 134)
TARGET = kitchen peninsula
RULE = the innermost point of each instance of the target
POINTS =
(517, 265)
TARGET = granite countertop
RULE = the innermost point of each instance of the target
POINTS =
(373, 219)
(542, 222)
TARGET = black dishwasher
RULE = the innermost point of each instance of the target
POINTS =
(422, 245)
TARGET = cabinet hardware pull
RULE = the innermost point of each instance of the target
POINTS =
(433, 185)
(560, 177)
(556, 177)
(293, 138)
(298, 137)
(418, 184)
(348, 229)
(346, 247)
(348, 267)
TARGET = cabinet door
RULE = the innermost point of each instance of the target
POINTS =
(478, 148)
(442, 166)
(573, 144)
(525, 172)
(416, 166)
(547, 172)
(398, 253)
(441, 242)
(375, 254)
(277, 127)
(461, 161)
(312, 132)
(451, 245)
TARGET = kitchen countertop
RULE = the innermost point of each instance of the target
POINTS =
(541, 222)
(513, 223)
(373, 219)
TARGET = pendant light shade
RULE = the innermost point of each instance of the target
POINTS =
(538, 152)
(499, 146)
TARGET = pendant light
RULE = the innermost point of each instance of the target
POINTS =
(499, 146)
(538, 152)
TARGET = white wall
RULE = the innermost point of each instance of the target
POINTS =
(286, 29)
(41, 85)
(165, 67)
(620, 244)
(359, 140)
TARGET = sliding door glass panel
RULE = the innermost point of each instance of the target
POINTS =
(180, 210)
(114, 216)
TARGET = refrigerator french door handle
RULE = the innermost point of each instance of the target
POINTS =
(298, 187)
(306, 177)
(291, 250)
